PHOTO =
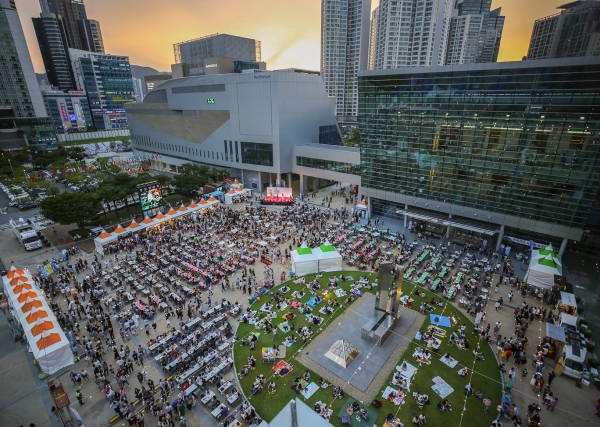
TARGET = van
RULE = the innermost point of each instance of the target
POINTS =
(568, 322)
(574, 360)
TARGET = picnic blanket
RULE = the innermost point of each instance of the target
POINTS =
(438, 320)
(340, 293)
(397, 400)
(283, 307)
(323, 312)
(284, 289)
(314, 301)
(309, 390)
(360, 422)
(282, 364)
(280, 326)
(281, 351)
(289, 344)
(265, 309)
(408, 372)
(404, 299)
(309, 317)
(442, 389)
(449, 362)
(421, 358)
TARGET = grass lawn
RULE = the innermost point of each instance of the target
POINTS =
(486, 378)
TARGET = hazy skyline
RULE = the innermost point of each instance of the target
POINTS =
(290, 31)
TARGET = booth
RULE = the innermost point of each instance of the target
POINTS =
(304, 261)
(329, 258)
(103, 239)
(47, 341)
(542, 269)
(235, 195)
(567, 304)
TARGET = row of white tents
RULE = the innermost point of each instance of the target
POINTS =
(47, 341)
(105, 238)
(323, 258)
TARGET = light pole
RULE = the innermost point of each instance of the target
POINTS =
(11, 167)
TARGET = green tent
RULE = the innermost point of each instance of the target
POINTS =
(548, 261)
(548, 250)
(327, 247)
(304, 250)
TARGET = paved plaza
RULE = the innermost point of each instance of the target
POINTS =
(24, 399)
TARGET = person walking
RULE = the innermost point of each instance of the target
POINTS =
(552, 404)
(551, 377)
(274, 333)
(79, 397)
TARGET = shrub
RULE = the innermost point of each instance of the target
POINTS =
(593, 362)
(590, 345)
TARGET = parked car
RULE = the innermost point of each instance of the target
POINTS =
(28, 205)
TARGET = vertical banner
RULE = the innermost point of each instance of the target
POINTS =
(64, 113)
(78, 112)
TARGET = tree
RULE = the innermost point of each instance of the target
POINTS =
(353, 139)
(69, 208)
(188, 185)
(102, 162)
(21, 158)
(113, 145)
(41, 162)
(126, 144)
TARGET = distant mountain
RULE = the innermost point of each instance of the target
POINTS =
(138, 71)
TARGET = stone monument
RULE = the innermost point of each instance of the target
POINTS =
(387, 311)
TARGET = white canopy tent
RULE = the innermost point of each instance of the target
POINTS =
(298, 414)
(329, 258)
(542, 271)
(47, 341)
(304, 261)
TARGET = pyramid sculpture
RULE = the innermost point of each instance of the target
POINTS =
(342, 353)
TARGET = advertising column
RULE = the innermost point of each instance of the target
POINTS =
(64, 113)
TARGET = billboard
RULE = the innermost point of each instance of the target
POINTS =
(151, 196)
(279, 192)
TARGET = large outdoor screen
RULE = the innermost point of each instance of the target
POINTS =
(150, 196)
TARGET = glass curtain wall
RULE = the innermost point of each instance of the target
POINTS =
(521, 141)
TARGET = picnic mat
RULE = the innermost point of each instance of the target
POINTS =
(289, 344)
(281, 351)
(451, 363)
(280, 326)
(409, 372)
(314, 301)
(309, 390)
(340, 293)
(352, 418)
(438, 320)
(441, 387)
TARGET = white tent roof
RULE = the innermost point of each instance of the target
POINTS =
(298, 414)
(53, 356)
(342, 353)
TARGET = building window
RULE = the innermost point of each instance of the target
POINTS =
(329, 165)
(257, 153)
(237, 157)
(226, 153)
(330, 135)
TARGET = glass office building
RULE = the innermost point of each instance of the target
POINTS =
(504, 148)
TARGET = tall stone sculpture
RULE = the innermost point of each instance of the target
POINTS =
(386, 311)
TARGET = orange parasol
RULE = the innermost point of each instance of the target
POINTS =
(182, 208)
(160, 216)
(36, 314)
(212, 199)
(203, 202)
(22, 288)
(23, 297)
(192, 205)
(47, 339)
(239, 189)
(41, 326)
(147, 220)
(236, 182)
(231, 192)
(172, 212)
(29, 304)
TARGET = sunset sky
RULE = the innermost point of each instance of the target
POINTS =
(290, 31)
